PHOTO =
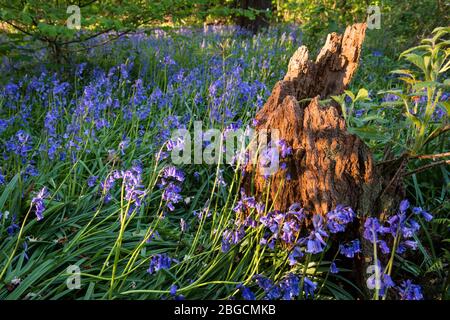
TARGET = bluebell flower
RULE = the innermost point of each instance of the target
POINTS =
(377, 53)
(295, 255)
(13, 227)
(170, 182)
(309, 287)
(273, 293)
(419, 211)
(384, 247)
(123, 145)
(92, 180)
(382, 283)
(404, 205)
(409, 228)
(286, 150)
(411, 244)
(296, 211)
(350, 249)
(159, 262)
(290, 286)
(247, 294)
(230, 237)
(410, 291)
(172, 172)
(314, 242)
(339, 218)
(371, 229)
(37, 203)
(390, 97)
(173, 290)
(263, 282)
(333, 268)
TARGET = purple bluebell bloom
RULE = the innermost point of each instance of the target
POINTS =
(339, 218)
(314, 242)
(404, 205)
(247, 294)
(410, 291)
(309, 287)
(159, 262)
(295, 255)
(38, 205)
(426, 215)
(290, 286)
(350, 249)
(13, 227)
(333, 268)
(92, 180)
(173, 290)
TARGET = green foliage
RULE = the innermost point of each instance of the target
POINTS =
(432, 59)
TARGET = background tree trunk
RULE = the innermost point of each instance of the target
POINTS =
(260, 21)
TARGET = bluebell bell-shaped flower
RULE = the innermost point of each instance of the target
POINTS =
(247, 294)
(371, 229)
(333, 268)
(309, 287)
(290, 286)
(426, 215)
(92, 180)
(159, 262)
(315, 242)
(404, 205)
(38, 205)
(339, 218)
(410, 291)
(350, 249)
(295, 255)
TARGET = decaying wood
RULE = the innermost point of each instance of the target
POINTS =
(328, 165)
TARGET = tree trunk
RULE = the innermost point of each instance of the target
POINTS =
(328, 166)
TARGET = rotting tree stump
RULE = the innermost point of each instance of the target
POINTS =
(328, 165)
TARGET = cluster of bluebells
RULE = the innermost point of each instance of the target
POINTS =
(410, 291)
(283, 226)
(159, 262)
(173, 293)
(380, 280)
(350, 249)
(288, 288)
(38, 205)
(338, 218)
(131, 181)
(234, 235)
(78, 115)
(286, 228)
(170, 183)
(401, 226)
(13, 226)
